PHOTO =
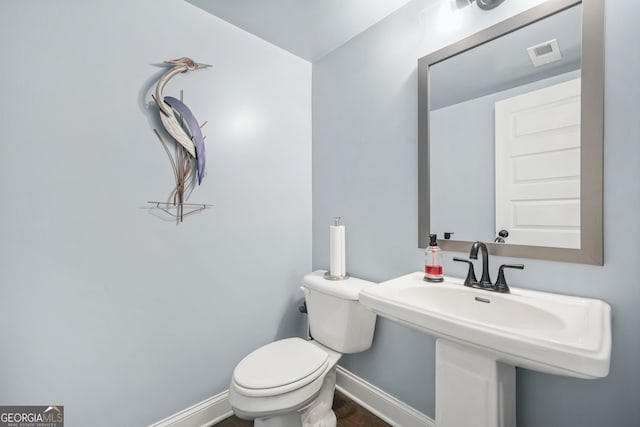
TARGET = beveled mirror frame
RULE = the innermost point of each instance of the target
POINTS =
(591, 134)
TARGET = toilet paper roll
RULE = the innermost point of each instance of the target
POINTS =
(337, 262)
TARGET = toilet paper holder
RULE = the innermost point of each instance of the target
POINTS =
(328, 276)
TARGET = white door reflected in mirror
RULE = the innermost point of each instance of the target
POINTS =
(537, 166)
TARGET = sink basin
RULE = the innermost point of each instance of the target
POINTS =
(546, 332)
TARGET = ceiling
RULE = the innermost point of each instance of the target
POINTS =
(307, 28)
(311, 29)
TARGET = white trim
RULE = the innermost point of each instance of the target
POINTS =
(384, 406)
(381, 404)
(204, 414)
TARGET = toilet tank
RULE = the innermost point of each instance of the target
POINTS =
(336, 318)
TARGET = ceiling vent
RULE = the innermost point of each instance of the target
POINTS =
(544, 53)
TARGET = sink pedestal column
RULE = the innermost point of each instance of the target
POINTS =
(473, 389)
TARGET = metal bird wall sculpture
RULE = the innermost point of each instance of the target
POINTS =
(181, 124)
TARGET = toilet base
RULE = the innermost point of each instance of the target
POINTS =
(320, 414)
(317, 414)
(285, 420)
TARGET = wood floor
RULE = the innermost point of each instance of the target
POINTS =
(349, 414)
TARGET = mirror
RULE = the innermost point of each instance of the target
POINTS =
(521, 121)
(506, 145)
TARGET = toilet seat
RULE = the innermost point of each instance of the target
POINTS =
(279, 367)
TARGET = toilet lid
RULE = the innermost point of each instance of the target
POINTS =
(280, 363)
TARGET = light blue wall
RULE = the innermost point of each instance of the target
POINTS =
(365, 169)
(105, 307)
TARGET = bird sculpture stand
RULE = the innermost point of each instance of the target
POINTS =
(188, 155)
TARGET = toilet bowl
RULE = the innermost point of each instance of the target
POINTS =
(291, 382)
(282, 393)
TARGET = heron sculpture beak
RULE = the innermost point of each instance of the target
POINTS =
(187, 62)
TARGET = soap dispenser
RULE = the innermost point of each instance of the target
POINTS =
(433, 261)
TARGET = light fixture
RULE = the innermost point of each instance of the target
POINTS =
(482, 4)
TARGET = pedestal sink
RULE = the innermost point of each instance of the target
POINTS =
(483, 336)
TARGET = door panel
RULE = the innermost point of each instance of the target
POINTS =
(538, 166)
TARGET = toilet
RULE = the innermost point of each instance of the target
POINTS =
(290, 382)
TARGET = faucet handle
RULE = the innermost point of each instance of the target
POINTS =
(501, 283)
(471, 274)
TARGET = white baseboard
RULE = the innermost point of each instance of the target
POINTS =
(381, 404)
(204, 414)
(384, 406)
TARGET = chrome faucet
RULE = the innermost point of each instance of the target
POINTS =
(485, 281)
